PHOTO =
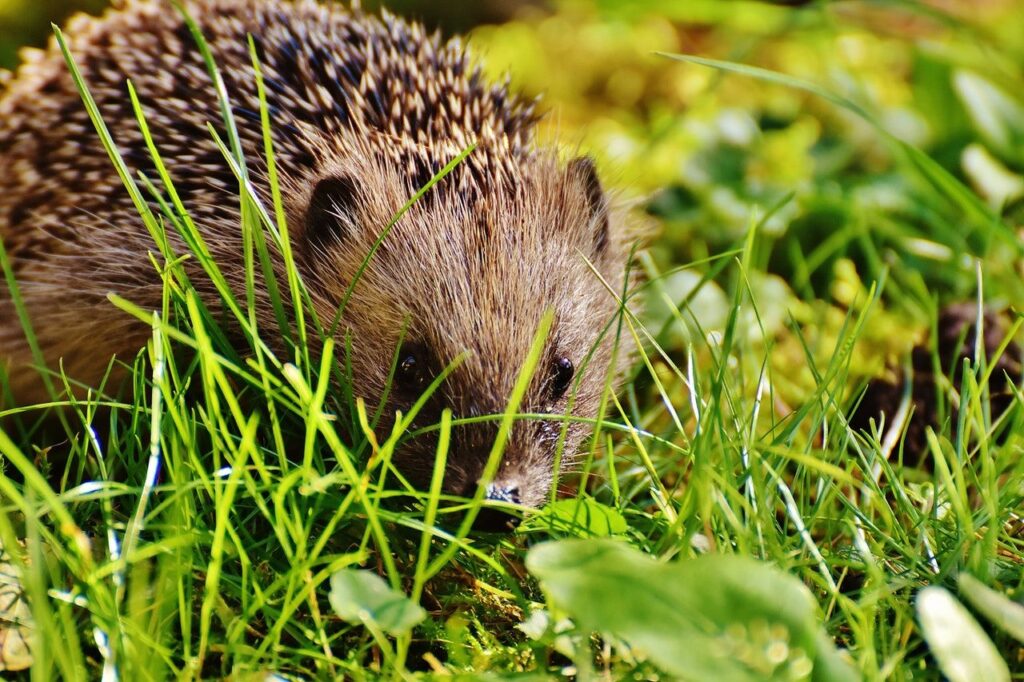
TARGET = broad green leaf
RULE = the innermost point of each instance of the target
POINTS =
(582, 517)
(998, 118)
(964, 651)
(16, 622)
(363, 597)
(715, 617)
(1005, 614)
(701, 298)
(994, 181)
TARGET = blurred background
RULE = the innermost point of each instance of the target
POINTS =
(841, 198)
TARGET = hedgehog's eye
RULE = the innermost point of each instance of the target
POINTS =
(412, 372)
(561, 376)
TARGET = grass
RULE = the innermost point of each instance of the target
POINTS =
(220, 521)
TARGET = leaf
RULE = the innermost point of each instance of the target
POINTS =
(701, 298)
(363, 597)
(963, 650)
(994, 181)
(998, 118)
(582, 517)
(16, 623)
(1005, 614)
(715, 617)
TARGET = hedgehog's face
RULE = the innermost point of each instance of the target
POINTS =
(471, 283)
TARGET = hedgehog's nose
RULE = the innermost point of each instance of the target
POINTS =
(498, 520)
(498, 492)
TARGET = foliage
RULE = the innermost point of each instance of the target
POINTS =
(713, 617)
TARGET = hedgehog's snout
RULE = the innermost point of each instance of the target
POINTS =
(503, 491)
(496, 519)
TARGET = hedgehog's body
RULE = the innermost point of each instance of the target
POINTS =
(364, 111)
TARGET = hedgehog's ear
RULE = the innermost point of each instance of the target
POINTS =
(329, 213)
(583, 171)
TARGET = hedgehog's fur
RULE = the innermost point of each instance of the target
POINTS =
(364, 111)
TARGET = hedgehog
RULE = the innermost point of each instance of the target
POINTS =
(365, 109)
